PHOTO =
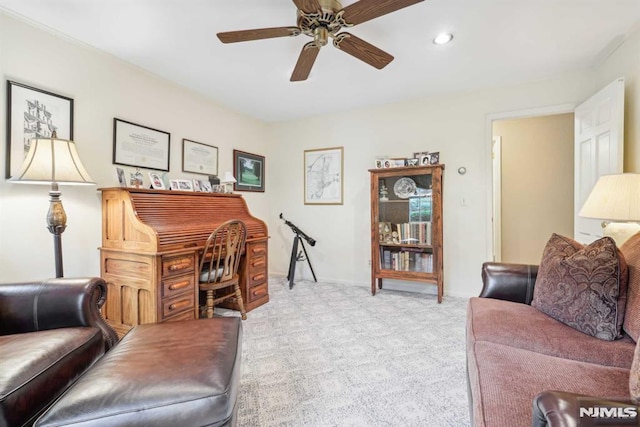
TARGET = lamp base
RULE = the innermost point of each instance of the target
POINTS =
(620, 232)
(56, 223)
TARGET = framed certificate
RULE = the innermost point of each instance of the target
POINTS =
(199, 158)
(140, 146)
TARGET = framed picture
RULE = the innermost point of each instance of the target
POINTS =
(323, 172)
(425, 160)
(122, 180)
(411, 162)
(205, 186)
(136, 179)
(181, 184)
(199, 158)
(249, 171)
(33, 113)
(419, 154)
(156, 181)
(140, 146)
(434, 158)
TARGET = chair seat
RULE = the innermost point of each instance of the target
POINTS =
(219, 265)
(205, 277)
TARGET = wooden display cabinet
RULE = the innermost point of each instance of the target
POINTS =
(406, 225)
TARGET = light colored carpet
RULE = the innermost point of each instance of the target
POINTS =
(328, 354)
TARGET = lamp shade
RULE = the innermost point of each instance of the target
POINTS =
(614, 198)
(228, 178)
(52, 160)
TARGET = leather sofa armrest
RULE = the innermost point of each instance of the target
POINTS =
(562, 409)
(52, 304)
(511, 282)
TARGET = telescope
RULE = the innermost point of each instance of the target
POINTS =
(301, 233)
(295, 255)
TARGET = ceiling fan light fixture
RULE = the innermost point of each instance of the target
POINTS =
(443, 38)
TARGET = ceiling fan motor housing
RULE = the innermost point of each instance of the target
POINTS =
(321, 25)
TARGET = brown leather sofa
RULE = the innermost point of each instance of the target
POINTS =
(50, 333)
(525, 368)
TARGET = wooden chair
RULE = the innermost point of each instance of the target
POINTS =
(219, 265)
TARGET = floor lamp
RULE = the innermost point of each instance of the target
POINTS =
(615, 199)
(53, 161)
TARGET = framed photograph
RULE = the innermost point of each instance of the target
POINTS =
(205, 186)
(249, 171)
(425, 160)
(323, 176)
(122, 180)
(196, 185)
(419, 154)
(33, 113)
(156, 181)
(411, 162)
(140, 146)
(199, 158)
(136, 179)
(181, 184)
(434, 158)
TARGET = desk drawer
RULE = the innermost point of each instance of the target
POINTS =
(179, 264)
(172, 306)
(256, 278)
(177, 285)
(258, 263)
(257, 292)
(256, 249)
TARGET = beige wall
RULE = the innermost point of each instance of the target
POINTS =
(625, 62)
(102, 88)
(537, 183)
(457, 125)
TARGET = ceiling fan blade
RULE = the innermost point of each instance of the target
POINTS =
(259, 34)
(366, 10)
(307, 6)
(305, 62)
(362, 50)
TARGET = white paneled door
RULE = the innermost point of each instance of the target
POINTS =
(599, 123)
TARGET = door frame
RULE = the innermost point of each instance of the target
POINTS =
(489, 119)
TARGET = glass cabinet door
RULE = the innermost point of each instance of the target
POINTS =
(405, 206)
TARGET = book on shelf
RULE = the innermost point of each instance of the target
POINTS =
(413, 233)
(407, 259)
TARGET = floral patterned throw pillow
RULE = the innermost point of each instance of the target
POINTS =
(584, 287)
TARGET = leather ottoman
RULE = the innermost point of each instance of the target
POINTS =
(169, 374)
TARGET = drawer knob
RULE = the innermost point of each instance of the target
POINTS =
(179, 285)
(258, 277)
(178, 305)
(179, 266)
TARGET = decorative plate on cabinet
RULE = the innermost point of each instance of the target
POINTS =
(404, 188)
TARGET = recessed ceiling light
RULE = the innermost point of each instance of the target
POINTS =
(443, 38)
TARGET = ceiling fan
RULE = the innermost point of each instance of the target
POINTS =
(323, 19)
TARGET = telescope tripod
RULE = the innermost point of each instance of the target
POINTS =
(297, 256)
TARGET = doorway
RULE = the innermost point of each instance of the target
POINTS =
(533, 184)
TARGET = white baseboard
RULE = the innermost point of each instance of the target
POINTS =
(390, 284)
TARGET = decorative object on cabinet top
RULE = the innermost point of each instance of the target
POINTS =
(404, 187)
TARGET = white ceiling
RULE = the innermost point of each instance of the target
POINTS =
(496, 42)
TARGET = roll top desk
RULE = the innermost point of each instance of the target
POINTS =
(151, 244)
